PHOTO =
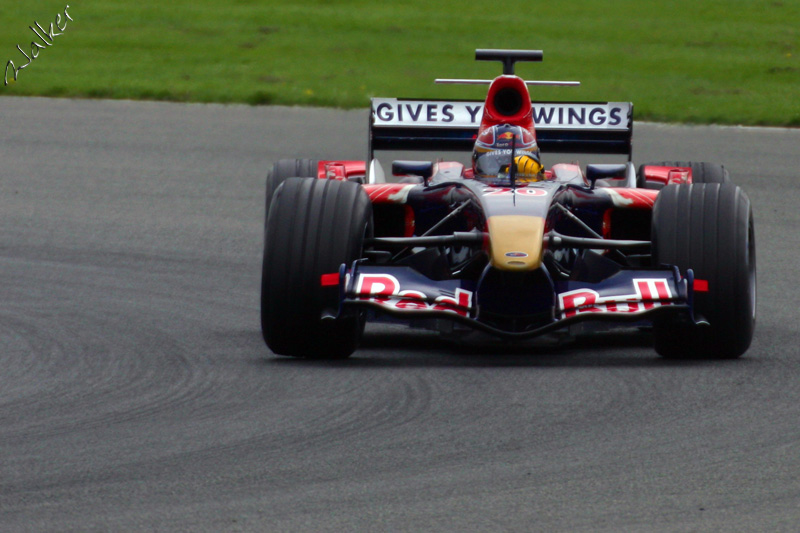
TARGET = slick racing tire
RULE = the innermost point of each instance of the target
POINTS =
(288, 168)
(701, 173)
(708, 228)
(314, 226)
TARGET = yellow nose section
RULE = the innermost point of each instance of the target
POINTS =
(516, 242)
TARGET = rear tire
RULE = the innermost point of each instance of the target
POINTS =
(701, 173)
(288, 168)
(708, 228)
(313, 227)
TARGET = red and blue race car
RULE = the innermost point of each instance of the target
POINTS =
(499, 244)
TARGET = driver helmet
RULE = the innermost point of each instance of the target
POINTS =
(492, 154)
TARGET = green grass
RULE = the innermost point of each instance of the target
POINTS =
(720, 61)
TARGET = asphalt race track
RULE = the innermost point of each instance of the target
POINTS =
(136, 392)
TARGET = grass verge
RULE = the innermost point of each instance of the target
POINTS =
(716, 61)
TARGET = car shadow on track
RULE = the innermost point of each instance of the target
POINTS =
(408, 349)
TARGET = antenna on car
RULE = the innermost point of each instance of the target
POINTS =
(508, 58)
(512, 174)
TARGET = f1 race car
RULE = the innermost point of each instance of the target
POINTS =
(504, 246)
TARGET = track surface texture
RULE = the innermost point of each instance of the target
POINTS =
(136, 392)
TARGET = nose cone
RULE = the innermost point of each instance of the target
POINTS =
(516, 242)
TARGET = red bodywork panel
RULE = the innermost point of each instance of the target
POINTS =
(626, 198)
(522, 117)
(668, 175)
(394, 193)
(341, 170)
(388, 193)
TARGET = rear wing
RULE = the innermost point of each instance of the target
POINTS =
(452, 125)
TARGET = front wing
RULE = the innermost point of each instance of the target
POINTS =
(628, 295)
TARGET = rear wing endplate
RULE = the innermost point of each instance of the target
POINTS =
(452, 125)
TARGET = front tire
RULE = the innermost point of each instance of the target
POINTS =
(708, 228)
(313, 227)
